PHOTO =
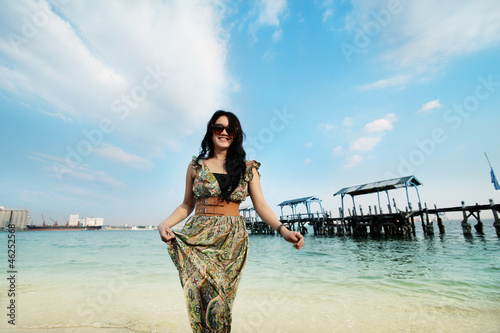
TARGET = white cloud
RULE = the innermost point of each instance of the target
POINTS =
(97, 196)
(348, 122)
(430, 105)
(424, 35)
(36, 158)
(84, 176)
(375, 131)
(434, 31)
(236, 87)
(96, 53)
(365, 143)
(308, 144)
(47, 158)
(269, 56)
(398, 80)
(118, 155)
(269, 13)
(307, 161)
(352, 161)
(60, 168)
(95, 176)
(327, 14)
(56, 115)
(327, 126)
(381, 125)
(337, 151)
(277, 35)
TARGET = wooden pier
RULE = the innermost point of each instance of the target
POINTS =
(467, 212)
(254, 223)
(404, 222)
(297, 221)
(374, 221)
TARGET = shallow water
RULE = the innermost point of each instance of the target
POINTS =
(122, 281)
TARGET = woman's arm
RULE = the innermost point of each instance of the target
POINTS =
(266, 214)
(181, 212)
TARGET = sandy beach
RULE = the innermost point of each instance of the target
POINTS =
(124, 281)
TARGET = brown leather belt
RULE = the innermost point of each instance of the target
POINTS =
(216, 206)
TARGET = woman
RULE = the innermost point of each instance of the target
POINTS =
(211, 249)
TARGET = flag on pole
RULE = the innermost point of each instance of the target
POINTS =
(493, 178)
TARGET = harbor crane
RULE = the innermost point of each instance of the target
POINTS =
(55, 222)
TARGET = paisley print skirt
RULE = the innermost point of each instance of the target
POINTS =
(210, 252)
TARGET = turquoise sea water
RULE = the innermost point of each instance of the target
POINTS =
(123, 281)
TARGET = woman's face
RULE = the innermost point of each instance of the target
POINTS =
(222, 140)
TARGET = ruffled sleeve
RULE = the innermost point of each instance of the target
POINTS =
(194, 164)
(249, 170)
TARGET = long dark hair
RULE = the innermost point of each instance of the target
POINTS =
(235, 158)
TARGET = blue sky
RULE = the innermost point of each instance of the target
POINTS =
(104, 103)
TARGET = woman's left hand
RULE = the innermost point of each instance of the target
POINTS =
(294, 237)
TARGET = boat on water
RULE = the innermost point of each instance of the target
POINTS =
(33, 227)
(74, 223)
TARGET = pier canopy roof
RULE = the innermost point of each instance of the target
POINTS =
(306, 201)
(379, 186)
(303, 200)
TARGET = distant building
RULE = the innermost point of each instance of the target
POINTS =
(93, 221)
(18, 217)
(73, 220)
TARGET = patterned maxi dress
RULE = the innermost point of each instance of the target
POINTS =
(210, 252)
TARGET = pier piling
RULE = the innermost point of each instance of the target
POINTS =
(412, 223)
(341, 227)
(422, 220)
(429, 226)
(440, 225)
(496, 223)
(479, 225)
(466, 227)
(439, 221)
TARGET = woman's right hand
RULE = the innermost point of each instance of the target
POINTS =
(166, 234)
(294, 237)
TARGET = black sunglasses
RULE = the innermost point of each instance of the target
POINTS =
(218, 129)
